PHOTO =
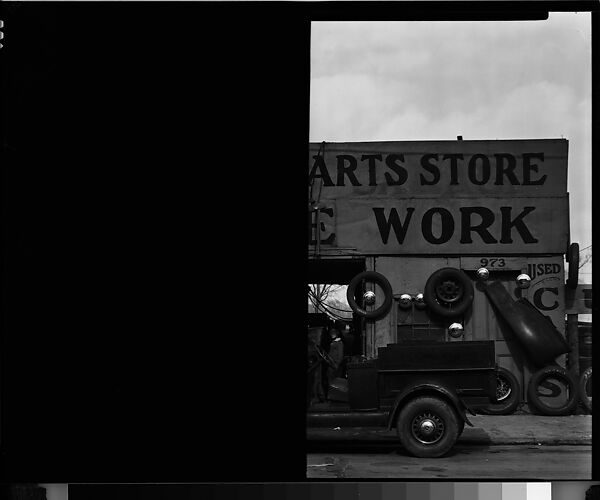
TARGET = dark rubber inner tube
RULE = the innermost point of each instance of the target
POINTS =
(358, 306)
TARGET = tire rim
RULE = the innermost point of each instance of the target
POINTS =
(449, 291)
(503, 388)
(427, 428)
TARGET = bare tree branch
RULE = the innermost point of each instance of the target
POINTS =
(323, 292)
(586, 258)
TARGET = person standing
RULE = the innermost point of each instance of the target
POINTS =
(315, 390)
(336, 354)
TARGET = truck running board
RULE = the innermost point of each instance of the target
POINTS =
(347, 419)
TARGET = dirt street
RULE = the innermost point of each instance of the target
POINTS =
(508, 462)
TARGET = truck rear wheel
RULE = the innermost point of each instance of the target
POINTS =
(427, 427)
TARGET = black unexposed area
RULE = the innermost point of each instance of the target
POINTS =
(153, 225)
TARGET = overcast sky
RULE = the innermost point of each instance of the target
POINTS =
(401, 81)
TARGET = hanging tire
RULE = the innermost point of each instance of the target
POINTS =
(428, 427)
(585, 389)
(377, 279)
(553, 391)
(448, 292)
(508, 394)
(573, 260)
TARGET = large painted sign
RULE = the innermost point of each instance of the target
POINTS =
(444, 197)
(579, 300)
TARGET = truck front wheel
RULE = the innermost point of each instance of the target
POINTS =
(427, 427)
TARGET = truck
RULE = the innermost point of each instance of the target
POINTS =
(423, 389)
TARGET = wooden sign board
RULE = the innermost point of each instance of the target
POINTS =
(442, 197)
(578, 300)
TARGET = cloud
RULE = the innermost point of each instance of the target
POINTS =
(443, 68)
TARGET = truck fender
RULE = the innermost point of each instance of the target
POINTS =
(430, 389)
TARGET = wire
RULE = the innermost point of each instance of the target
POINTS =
(320, 305)
(328, 305)
(334, 315)
(338, 309)
(323, 309)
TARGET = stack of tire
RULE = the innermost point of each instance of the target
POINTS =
(585, 334)
(551, 390)
(546, 381)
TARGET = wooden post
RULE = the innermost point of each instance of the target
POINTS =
(573, 340)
